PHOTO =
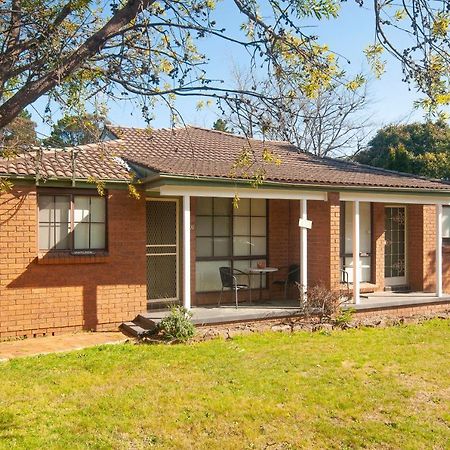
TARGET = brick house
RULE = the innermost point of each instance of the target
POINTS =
(71, 259)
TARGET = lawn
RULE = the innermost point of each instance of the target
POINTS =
(372, 388)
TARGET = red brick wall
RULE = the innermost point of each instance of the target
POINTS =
(323, 242)
(421, 244)
(378, 243)
(43, 296)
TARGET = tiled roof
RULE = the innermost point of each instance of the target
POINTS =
(202, 152)
(194, 151)
(91, 160)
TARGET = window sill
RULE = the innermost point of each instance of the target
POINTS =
(73, 257)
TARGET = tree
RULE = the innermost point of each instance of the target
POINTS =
(415, 32)
(330, 123)
(418, 148)
(221, 125)
(71, 50)
(74, 51)
(75, 130)
(19, 134)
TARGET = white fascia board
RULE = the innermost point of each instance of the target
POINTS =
(430, 199)
(230, 192)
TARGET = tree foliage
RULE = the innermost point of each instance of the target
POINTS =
(75, 130)
(418, 148)
(72, 50)
(20, 133)
(415, 32)
(221, 125)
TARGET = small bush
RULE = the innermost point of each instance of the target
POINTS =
(322, 301)
(344, 317)
(177, 325)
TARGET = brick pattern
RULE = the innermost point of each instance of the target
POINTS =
(429, 248)
(421, 247)
(46, 294)
(91, 293)
(378, 243)
(324, 242)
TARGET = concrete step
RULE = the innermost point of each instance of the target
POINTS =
(132, 329)
(146, 322)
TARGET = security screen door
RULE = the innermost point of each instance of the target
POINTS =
(395, 246)
(162, 250)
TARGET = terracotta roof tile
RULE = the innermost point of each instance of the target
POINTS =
(93, 160)
(194, 151)
(201, 152)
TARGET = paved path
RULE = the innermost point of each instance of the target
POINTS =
(54, 344)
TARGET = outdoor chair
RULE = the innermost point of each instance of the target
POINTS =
(229, 280)
(292, 277)
(345, 279)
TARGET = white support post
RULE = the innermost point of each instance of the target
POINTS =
(439, 250)
(303, 248)
(356, 251)
(187, 251)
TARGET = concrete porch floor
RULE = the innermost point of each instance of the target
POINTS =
(393, 299)
(207, 315)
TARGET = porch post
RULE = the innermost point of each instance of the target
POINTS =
(356, 251)
(187, 251)
(438, 250)
(303, 247)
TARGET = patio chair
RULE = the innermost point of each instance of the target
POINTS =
(293, 277)
(345, 279)
(229, 280)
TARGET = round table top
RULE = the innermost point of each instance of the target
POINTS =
(262, 269)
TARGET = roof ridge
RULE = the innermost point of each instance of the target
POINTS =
(198, 127)
(229, 133)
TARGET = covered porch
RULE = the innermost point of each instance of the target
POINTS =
(395, 239)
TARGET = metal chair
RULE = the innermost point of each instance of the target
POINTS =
(229, 280)
(293, 277)
(345, 279)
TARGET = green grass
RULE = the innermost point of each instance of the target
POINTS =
(371, 388)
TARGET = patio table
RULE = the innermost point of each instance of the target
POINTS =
(261, 271)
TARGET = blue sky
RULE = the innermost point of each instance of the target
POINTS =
(349, 34)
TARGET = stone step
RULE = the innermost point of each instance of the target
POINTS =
(132, 329)
(146, 322)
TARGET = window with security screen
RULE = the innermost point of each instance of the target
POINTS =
(227, 236)
(71, 222)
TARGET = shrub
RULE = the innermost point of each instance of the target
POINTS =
(344, 317)
(177, 325)
(322, 301)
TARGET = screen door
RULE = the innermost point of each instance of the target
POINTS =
(162, 250)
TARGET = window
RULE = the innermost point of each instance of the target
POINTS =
(72, 222)
(446, 224)
(227, 236)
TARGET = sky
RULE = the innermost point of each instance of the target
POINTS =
(390, 99)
